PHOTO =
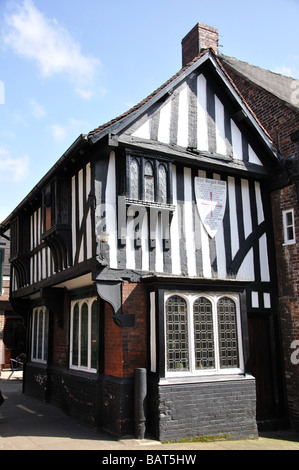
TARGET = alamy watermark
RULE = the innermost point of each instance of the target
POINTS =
(139, 214)
(295, 354)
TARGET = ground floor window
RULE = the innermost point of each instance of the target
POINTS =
(203, 334)
(40, 327)
(84, 334)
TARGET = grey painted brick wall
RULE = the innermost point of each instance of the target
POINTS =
(204, 409)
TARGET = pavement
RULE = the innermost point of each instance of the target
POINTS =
(29, 424)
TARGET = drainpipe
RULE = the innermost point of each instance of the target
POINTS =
(140, 391)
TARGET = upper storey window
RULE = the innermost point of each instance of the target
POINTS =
(149, 180)
(289, 227)
(149, 183)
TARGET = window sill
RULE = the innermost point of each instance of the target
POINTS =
(84, 370)
(204, 378)
(159, 205)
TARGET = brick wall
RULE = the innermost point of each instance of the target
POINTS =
(279, 119)
(125, 350)
(135, 340)
(288, 275)
(125, 347)
(113, 345)
(200, 37)
(60, 337)
(203, 409)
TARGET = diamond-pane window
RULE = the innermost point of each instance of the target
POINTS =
(203, 334)
(177, 334)
(227, 332)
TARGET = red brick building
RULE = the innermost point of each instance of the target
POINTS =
(275, 101)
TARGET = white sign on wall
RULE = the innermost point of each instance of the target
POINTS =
(211, 201)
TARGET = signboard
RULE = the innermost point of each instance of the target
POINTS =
(211, 201)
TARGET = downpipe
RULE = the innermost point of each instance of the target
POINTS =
(140, 392)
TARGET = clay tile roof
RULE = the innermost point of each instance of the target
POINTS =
(281, 86)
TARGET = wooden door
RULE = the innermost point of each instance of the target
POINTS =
(263, 366)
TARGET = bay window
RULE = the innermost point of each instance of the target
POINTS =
(203, 334)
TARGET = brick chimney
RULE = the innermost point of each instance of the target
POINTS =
(200, 37)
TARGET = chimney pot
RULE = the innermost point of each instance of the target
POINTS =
(200, 37)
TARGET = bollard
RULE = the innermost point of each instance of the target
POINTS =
(140, 390)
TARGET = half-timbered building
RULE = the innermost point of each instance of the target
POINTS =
(149, 245)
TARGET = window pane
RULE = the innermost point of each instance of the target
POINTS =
(134, 179)
(162, 184)
(149, 193)
(94, 335)
(177, 334)
(227, 332)
(289, 218)
(84, 335)
(290, 233)
(35, 337)
(75, 335)
(203, 334)
(46, 329)
(40, 334)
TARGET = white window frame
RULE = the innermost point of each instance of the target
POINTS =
(89, 301)
(287, 240)
(190, 298)
(44, 335)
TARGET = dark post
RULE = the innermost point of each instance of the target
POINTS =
(140, 402)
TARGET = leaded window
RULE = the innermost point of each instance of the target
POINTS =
(148, 180)
(202, 334)
(227, 331)
(149, 184)
(134, 179)
(177, 334)
(84, 334)
(162, 184)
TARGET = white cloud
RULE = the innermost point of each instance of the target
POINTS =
(290, 67)
(287, 71)
(13, 169)
(37, 110)
(58, 132)
(62, 131)
(30, 34)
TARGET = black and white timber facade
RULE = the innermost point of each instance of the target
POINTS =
(174, 196)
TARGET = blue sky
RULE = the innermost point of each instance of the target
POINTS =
(67, 66)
